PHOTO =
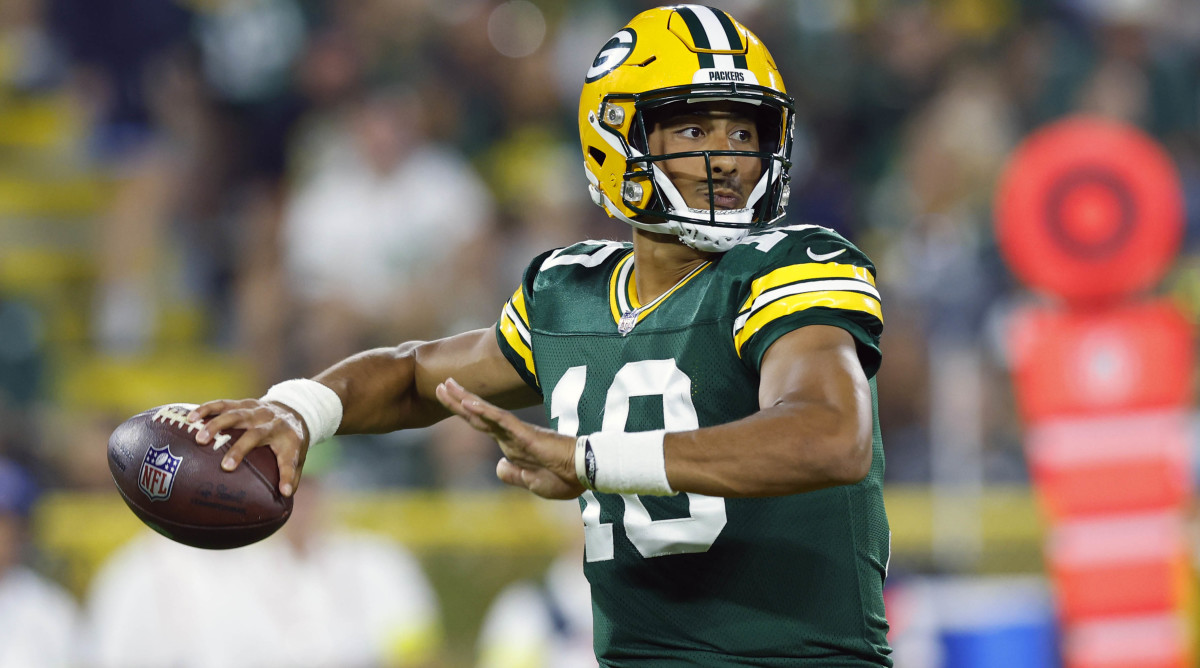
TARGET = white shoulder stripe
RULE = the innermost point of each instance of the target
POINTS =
(622, 281)
(847, 284)
(796, 228)
(557, 259)
(511, 314)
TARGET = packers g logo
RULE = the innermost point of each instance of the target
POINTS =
(612, 54)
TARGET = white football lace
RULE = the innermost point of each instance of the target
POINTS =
(177, 415)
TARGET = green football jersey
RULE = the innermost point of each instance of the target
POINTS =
(692, 580)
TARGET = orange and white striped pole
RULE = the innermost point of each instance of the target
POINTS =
(1089, 214)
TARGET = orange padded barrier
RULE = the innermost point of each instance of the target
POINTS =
(1078, 363)
(1118, 464)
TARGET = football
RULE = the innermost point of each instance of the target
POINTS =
(178, 488)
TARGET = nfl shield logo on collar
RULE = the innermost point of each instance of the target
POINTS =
(158, 473)
(629, 320)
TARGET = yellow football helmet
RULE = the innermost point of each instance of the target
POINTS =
(682, 53)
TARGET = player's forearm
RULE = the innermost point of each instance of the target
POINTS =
(783, 449)
(378, 389)
(395, 388)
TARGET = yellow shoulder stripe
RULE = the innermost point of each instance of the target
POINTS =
(518, 303)
(514, 327)
(804, 272)
(509, 330)
(614, 284)
(846, 301)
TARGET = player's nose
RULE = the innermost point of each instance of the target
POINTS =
(720, 163)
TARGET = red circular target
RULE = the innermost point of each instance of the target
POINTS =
(1089, 210)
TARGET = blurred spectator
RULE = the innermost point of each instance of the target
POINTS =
(310, 596)
(250, 46)
(35, 59)
(38, 619)
(112, 45)
(547, 622)
(156, 249)
(380, 229)
(22, 363)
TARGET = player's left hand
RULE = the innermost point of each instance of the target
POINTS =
(535, 458)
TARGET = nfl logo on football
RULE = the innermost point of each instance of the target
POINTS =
(158, 473)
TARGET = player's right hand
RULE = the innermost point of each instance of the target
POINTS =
(266, 423)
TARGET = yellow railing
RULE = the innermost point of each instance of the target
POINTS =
(77, 531)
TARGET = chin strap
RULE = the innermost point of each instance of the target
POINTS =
(708, 238)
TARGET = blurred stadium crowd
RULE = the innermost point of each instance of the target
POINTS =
(289, 181)
(203, 197)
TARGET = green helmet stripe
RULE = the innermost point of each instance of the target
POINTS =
(699, 37)
(735, 40)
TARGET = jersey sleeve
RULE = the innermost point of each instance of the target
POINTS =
(549, 275)
(807, 275)
(512, 329)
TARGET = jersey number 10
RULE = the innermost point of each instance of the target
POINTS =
(651, 538)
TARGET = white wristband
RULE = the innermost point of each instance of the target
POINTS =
(623, 463)
(319, 407)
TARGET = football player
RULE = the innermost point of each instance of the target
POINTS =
(710, 383)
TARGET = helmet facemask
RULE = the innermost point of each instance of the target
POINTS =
(665, 211)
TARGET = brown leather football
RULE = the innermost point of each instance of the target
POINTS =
(178, 488)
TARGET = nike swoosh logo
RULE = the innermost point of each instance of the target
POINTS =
(821, 257)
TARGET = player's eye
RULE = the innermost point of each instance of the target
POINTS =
(690, 132)
(744, 136)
